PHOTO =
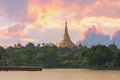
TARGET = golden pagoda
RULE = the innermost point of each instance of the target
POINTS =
(66, 41)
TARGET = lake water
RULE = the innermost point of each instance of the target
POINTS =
(61, 74)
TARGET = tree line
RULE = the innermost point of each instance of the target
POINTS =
(50, 56)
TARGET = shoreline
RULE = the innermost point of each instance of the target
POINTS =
(80, 68)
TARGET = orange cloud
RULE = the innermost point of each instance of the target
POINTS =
(11, 31)
(51, 14)
(43, 14)
(3, 31)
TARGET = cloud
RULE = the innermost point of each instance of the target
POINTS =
(117, 38)
(12, 31)
(15, 10)
(25, 20)
(97, 8)
(13, 34)
(50, 14)
(29, 40)
(94, 36)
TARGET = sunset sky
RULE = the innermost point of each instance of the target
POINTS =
(89, 21)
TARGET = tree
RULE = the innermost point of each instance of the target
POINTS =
(47, 57)
(2, 50)
(116, 58)
(30, 45)
(112, 46)
(2, 55)
(18, 45)
(97, 56)
(38, 45)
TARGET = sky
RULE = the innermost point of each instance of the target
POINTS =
(43, 21)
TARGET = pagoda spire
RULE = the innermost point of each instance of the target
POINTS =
(66, 30)
(66, 35)
(66, 41)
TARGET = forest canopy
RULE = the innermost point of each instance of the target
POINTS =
(50, 56)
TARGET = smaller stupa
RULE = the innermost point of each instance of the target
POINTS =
(66, 41)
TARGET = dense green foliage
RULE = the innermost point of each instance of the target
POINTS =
(47, 56)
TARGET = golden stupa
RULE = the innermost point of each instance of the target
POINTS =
(66, 41)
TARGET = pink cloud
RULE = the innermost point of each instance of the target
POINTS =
(14, 30)
(44, 15)
(94, 36)
(93, 29)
